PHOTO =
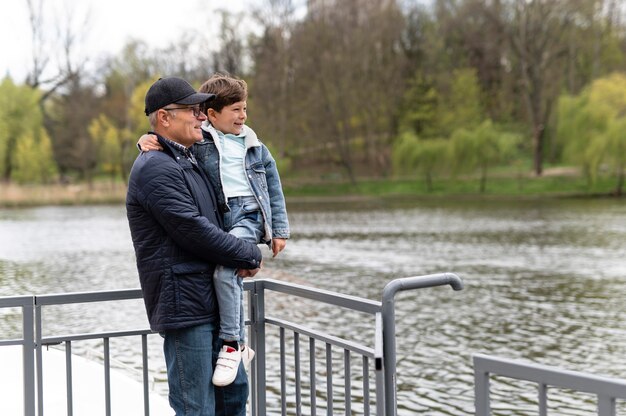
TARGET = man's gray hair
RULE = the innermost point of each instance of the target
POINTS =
(152, 118)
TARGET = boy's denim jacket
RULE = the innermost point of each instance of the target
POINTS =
(262, 177)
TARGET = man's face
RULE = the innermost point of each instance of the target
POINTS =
(231, 119)
(184, 125)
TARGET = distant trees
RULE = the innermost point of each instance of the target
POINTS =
(356, 88)
(331, 86)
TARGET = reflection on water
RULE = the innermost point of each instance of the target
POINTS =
(544, 281)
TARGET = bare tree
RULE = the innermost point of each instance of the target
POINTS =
(57, 66)
(274, 100)
(230, 56)
(536, 33)
(63, 41)
(339, 75)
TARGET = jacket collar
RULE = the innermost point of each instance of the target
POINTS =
(174, 150)
(251, 138)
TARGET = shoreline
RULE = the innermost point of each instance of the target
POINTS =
(546, 187)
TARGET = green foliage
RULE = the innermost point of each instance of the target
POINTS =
(434, 110)
(115, 140)
(34, 162)
(424, 157)
(462, 106)
(138, 121)
(25, 149)
(106, 138)
(591, 128)
(420, 108)
(481, 148)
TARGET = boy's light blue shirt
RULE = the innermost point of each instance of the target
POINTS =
(232, 165)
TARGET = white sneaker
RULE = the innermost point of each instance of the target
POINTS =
(247, 354)
(227, 365)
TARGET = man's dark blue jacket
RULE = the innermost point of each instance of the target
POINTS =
(178, 238)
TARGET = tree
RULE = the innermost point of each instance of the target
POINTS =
(68, 121)
(424, 157)
(536, 32)
(274, 101)
(115, 145)
(591, 126)
(21, 130)
(461, 106)
(420, 114)
(469, 38)
(350, 76)
(106, 138)
(614, 144)
(229, 58)
(33, 158)
(481, 148)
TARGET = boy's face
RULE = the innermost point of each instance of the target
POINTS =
(231, 119)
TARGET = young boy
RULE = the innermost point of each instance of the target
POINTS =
(243, 173)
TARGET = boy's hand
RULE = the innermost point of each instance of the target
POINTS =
(278, 244)
(148, 142)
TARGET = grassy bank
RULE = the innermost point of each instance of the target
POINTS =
(13, 195)
(554, 183)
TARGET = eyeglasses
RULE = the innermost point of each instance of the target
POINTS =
(195, 110)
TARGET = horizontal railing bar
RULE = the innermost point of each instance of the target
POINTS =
(551, 376)
(87, 297)
(95, 335)
(328, 339)
(16, 301)
(8, 342)
(320, 295)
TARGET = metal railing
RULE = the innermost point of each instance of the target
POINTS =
(381, 350)
(33, 341)
(27, 341)
(607, 390)
(378, 359)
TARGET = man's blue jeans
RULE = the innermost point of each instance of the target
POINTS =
(190, 354)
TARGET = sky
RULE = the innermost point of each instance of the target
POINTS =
(111, 23)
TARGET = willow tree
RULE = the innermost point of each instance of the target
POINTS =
(428, 157)
(481, 148)
(592, 128)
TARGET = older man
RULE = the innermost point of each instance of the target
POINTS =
(178, 239)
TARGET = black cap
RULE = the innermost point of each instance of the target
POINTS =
(173, 90)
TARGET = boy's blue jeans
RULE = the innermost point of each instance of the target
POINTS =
(245, 221)
(190, 354)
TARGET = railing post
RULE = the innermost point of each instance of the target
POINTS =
(38, 355)
(606, 406)
(28, 356)
(257, 342)
(481, 391)
(389, 325)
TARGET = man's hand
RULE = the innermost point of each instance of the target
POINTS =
(278, 244)
(148, 142)
(249, 272)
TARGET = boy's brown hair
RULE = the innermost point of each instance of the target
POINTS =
(227, 89)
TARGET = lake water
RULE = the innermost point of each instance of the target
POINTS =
(545, 280)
